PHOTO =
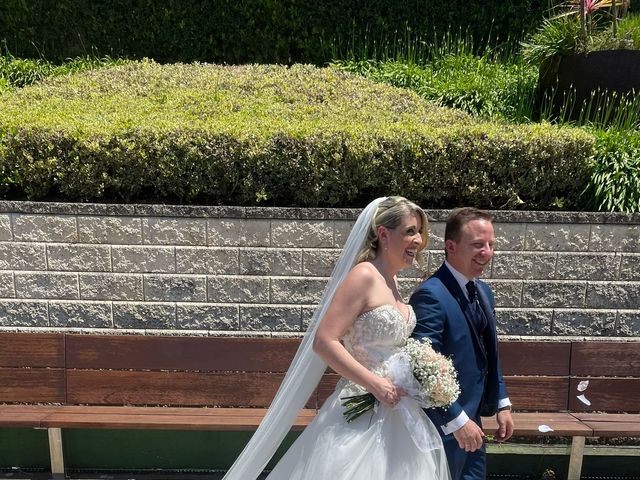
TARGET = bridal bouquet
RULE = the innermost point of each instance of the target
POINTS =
(426, 375)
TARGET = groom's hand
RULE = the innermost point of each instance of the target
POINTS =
(469, 436)
(505, 426)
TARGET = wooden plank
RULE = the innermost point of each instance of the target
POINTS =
(527, 424)
(535, 358)
(31, 350)
(606, 395)
(538, 393)
(610, 359)
(206, 419)
(575, 458)
(614, 429)
(22, 419)
(56, 452)
(114, 387)
(608, 417)
(32, 385)
(180, 353)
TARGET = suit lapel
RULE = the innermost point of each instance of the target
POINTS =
(449, 281)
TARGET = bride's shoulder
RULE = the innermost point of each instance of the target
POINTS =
(362, 276)
(365, 271)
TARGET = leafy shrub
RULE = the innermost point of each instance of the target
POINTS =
(18, 72)
(615, 180)
(475, 84)
(271, 135)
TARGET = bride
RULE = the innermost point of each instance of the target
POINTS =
(360, 322)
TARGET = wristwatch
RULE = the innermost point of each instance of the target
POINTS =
(506, 407)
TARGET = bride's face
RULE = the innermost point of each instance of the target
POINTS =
(402, 243)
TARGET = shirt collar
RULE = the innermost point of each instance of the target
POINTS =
(460, 278)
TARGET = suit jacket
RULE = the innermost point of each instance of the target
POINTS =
(443, 315)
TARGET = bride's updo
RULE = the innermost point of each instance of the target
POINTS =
(389, 214)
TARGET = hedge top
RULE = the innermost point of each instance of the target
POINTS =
(252, 100)
(268, 134)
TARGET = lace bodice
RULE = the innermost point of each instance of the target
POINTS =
(378, 334)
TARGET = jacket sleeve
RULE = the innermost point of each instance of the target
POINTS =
(430, 323)
(430, 317)
(502, 388)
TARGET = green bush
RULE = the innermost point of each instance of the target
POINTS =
(478, 85)
(615, 180)
(18, 72)
(271, 135)
(242, 31)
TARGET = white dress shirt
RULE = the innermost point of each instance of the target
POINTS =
(458, 422)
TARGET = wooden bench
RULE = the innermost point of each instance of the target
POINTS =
(59, 381)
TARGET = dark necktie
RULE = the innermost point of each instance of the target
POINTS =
(476, 310)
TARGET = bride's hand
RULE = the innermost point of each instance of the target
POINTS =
(386, 392)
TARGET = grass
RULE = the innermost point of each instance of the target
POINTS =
(18, 72)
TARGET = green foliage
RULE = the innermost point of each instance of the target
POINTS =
(271, 135)
(629, 29)
(603, 110)
(447, 70)
(561, 35)
(474, 84)
(556, 36)
(17, 72)
(615, 180)
(226, 31)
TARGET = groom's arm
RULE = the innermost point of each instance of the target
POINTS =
(503, 417)
(430, 317)
(430, 323)
(503, 396)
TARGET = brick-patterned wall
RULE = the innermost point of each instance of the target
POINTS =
(225, 270)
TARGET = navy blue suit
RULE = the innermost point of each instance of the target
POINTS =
(443, 315)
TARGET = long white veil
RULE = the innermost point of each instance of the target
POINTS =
(305, 370)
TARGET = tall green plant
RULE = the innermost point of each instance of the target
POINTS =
(615, 180)
(557, 36)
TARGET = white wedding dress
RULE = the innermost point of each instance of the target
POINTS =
(378, 445)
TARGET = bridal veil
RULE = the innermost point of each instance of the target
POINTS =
(305, 370)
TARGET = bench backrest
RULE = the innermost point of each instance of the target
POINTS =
(245, 372)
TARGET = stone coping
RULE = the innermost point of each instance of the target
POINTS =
(292, 213)
(264, 334)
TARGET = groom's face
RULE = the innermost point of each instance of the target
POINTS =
(473, 250)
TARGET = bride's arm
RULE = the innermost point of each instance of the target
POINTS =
(348, 302)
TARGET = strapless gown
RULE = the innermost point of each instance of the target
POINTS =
(378, 445)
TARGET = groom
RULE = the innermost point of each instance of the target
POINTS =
(455, 311)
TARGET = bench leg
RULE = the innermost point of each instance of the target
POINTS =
(55, 452)
(575, 459)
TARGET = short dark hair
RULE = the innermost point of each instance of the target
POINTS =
(459, 217)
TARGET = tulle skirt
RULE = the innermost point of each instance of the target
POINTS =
(375, 446)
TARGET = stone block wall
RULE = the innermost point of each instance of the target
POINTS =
(260, 271)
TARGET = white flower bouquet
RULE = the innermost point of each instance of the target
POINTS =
(428, 377)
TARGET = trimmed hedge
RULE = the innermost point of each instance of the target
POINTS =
(269, 135)
(244, 31)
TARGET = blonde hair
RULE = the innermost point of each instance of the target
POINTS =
(389, 214)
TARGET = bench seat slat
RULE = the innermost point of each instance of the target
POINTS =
(609, 417)
(527, 424)
(19, 419)
(149, 418)
(614, 429)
